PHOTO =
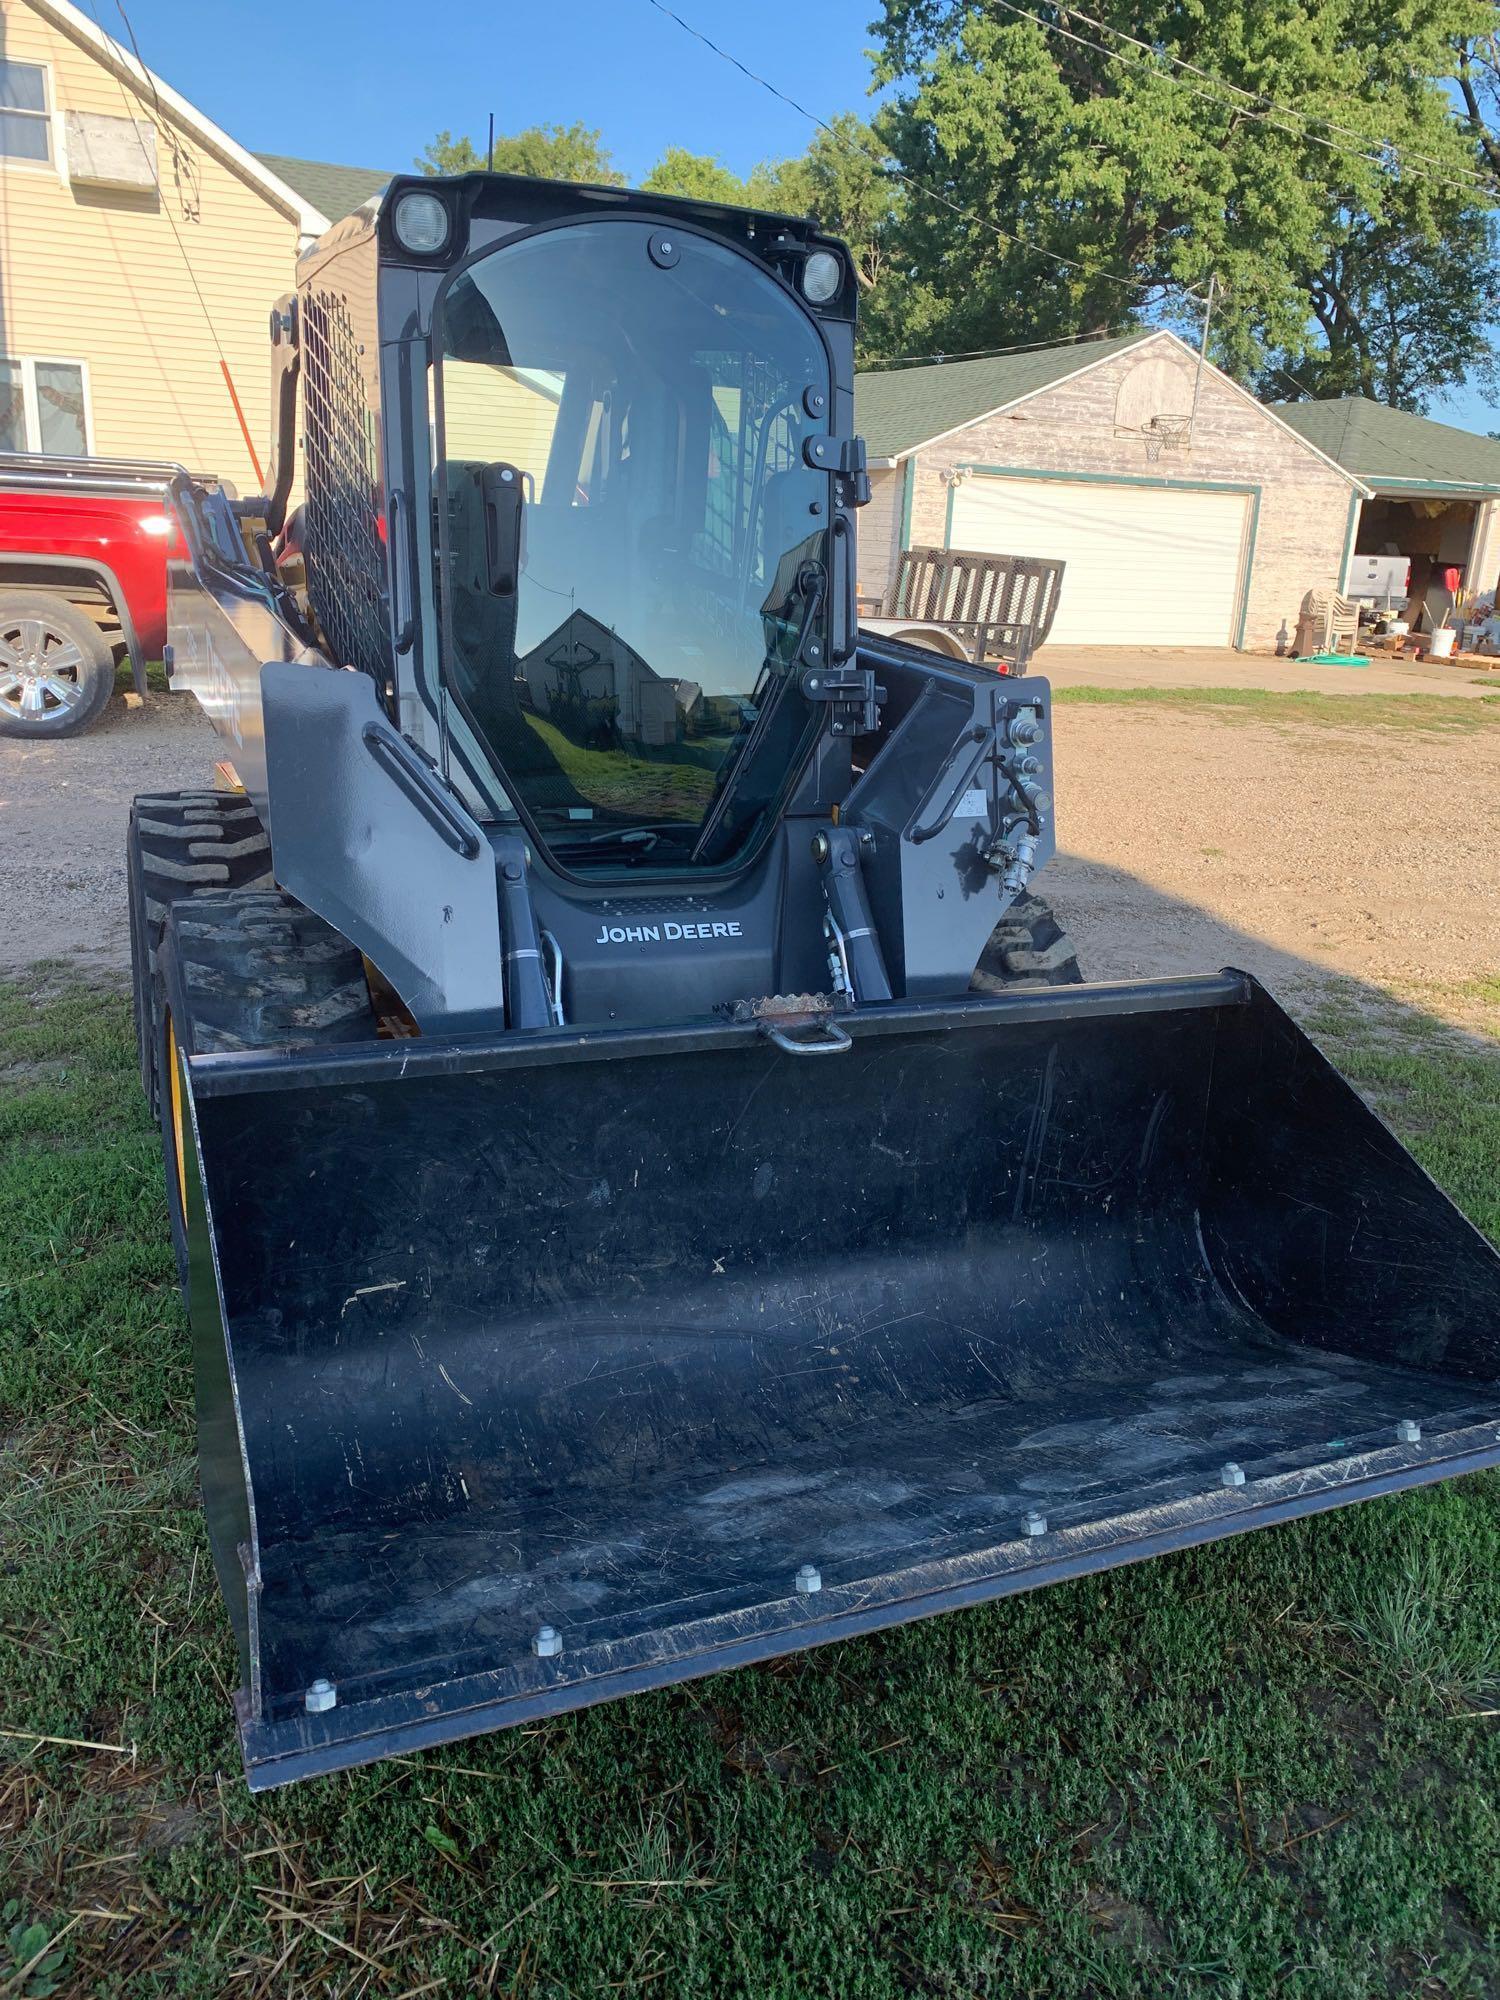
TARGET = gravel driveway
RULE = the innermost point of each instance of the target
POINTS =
(1191, 840)
(63, 808)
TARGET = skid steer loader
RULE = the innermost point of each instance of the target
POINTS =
(649, 1192)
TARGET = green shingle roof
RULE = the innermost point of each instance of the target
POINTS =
(1386, 447)
(337, 191)
(897, 409)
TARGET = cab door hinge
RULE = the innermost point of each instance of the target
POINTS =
(846, 459)
(851, 694)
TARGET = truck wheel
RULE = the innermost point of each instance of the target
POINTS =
(181, 845)
(1028, 947)
(56, 670)
(250, 970)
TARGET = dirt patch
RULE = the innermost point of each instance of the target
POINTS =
(1188, 842)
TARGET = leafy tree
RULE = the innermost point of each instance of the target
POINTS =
(447, 155)
(1396, 317)
(1312, 140)
(548, 152)
(1476, 70)
(699, 177)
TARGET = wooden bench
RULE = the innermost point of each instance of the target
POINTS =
(989, 607)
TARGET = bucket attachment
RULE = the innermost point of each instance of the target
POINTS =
(540, 1371)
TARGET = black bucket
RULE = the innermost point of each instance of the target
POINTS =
(537, 1372)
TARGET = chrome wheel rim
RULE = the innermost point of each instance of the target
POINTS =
(41, 670)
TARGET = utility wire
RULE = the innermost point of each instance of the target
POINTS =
(1277, 369)
(985, 353)
(1271, 116)
(1260, 97)
(909, 180)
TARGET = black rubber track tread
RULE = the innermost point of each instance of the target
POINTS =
(251, 969)
(257, 970)
(182, 845)
(1028, 947)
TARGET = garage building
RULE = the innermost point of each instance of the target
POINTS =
(1188, 514)
(1434, 493)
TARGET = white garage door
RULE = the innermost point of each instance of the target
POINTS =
(1147, 565)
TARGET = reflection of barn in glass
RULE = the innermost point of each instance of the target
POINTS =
(587, 682)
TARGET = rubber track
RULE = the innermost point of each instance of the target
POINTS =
(185, 844)
(196, 841)
(1028, 947)
(260, 971)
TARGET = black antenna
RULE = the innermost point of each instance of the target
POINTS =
(489, 158)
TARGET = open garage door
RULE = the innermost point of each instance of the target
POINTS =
(1146, 565)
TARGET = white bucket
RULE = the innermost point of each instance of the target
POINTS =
(1442, 642)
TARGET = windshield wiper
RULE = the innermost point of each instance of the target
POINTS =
(636, 843)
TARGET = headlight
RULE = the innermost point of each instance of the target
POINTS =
(822, 277)
(420, 223)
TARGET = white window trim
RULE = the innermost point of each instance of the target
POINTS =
(28, 365)
(57, 166)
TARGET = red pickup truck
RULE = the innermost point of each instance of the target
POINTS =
(84, 545)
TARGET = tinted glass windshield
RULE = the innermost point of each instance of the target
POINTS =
(635, 549)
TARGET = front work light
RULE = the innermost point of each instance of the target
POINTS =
(822, 277)
(420, 223)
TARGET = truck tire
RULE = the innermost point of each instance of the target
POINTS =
(253, 969)
(57, 672)
(1028, 947)
(182, 845)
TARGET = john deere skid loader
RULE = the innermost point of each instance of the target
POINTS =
(649, 1192)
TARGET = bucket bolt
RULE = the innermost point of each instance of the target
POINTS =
(1033, 1523)
(320, 1697)
(547, 1643)
(1231, 1474)
(1409, 1431)
(809, 1579)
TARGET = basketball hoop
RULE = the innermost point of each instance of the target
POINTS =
(1165, 433)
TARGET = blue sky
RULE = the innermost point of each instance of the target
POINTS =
(369, 84)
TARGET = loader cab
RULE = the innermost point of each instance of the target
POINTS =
(641, 542)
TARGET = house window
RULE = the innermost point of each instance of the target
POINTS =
(44, 406)
(25, 128)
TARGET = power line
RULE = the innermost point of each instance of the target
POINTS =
(909, 180)
(1268, 116)
(1286, 376)
(985, 353)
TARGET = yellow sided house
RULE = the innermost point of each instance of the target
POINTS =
(141, 250)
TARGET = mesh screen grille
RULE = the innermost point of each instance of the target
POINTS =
(346, 571)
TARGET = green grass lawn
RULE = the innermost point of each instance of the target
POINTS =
(1346, 708)
(642, 786)
(1269, 1767)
